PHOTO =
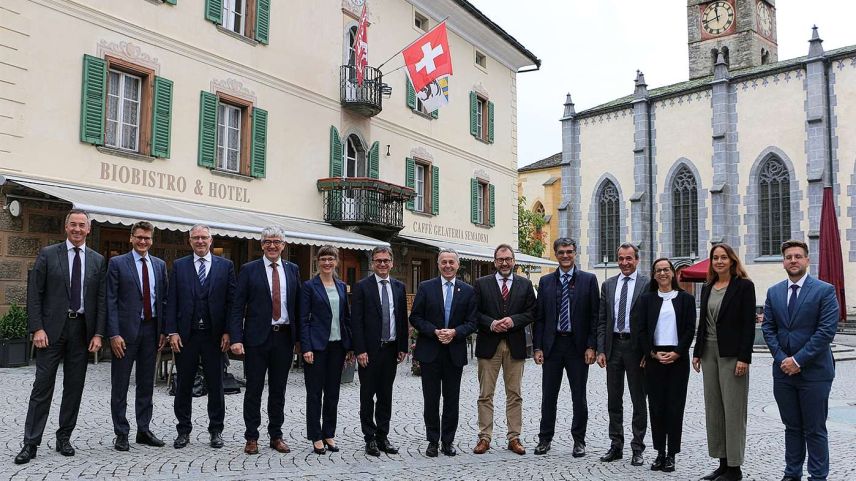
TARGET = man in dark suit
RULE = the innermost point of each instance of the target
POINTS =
(136, 300)
(564, 341)
(66, 314)
(506, 305)
(800, 320)
(618, 350)
(379, 326)
(264, 328)
(201, 291)
(444, 313)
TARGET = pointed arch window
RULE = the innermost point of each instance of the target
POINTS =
(685, 213)
(608, 221)
(774, 206)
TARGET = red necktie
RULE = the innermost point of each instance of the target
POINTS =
(147, 295)
(504, 289)
(275, 295)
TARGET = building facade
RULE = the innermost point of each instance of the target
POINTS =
(541, 184)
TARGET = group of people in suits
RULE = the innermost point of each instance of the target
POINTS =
(636, 327)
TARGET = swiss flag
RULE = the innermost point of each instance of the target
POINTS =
(428, 57)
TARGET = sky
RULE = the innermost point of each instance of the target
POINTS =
(592, 49)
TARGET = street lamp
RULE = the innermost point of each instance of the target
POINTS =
(605, 261)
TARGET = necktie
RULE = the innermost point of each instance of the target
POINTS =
(384, 311)
(447, 304)
(274, 292)
(564, 309)
(75, 281)
(622, 305)
(147, 295)
(504, 289)
(202, 271)
(792, 302)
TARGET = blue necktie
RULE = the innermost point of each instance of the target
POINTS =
(385, 331)
(202, 271)
(792, 302)
(447, 304)
(564, 309)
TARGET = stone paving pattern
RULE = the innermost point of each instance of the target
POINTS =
(96, 458)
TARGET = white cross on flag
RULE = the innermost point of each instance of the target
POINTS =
(428, 57)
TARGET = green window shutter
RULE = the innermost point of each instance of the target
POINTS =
(258, 154)
(435, 190)
(374, 161)
(336, 165)
(474, 201)
(161, 117)
(490, 122)
(474, 105)
(214, 11)
(207, 130)
(435, 114)
(263, 21)
(171, 2)
(410, 180)
(93, 100)
(492, 206)
(411, 93)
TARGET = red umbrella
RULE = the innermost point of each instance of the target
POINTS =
(696, 272)
(831, 266)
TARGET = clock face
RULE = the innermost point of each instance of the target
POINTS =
(765, 19)
(717, 17)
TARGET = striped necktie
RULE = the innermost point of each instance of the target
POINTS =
(201, 272)
(564, 309)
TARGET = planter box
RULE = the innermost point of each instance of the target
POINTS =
(14, 353)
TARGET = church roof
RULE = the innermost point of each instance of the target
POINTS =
(703, 83)
(552, 161)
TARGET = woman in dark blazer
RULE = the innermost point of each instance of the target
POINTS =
(325, 337)
(665, 316)
(723, 350)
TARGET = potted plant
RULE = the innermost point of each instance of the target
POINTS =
(14, 345)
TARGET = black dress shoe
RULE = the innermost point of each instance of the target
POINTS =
(448, 449)
(181, 441)
(28, 452)
(542, 448)
(121, 443)
(669, 464)
(637, 459)
(723, 466)
(790, 478)
(64, 447)
(149, 439)
(433, 450)
(216, 440)
(579, 450)
(732, 473)
(658, 463)
(317, 450)
(371, 448)
(387, 447)
(613, 454)
(331, 447)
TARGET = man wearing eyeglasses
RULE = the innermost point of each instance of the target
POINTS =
(264, 329)
(136, 298)
(379, 337)
(199, 301)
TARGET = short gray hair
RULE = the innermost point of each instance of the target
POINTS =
(448, 250)
(628, 245)
(382, 249)
(200, 226)
(564, 241)
(273, 231)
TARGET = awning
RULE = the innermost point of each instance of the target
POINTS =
(695, 273)
(480, 253)
(126, 209)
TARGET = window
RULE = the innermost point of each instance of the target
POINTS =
(247, 18)
(482, 202)
(234, 15)
(424, 179)
(415, 102)
(481, 118)
(608, 221)
(774, 206)
(684, 213)
(420, 188)
(355, 157)
(123, 111)
(481, 59)
(420, 21)
(349, 158)
(232, 135)
(228, 137)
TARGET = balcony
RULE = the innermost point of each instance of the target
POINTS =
(366, 100)
(369, 206)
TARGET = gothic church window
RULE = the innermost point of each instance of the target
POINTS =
(608, 221)
(684, 213)
(774, 206)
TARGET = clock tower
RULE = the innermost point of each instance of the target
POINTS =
(744, 31)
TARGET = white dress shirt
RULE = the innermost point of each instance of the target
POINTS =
(207, 264)
(443, 282)
(797, 283)
(631, 285)
(391, 302)
(666, 333)
(283, 297)
(151, 271)
(499, 279)
(70, 247)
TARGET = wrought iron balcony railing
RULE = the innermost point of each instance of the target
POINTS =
(363, 201)
(365, 99)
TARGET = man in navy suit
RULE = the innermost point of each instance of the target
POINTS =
(264, 328)
(444, 313)
(199, 301)
(136, 301)
(800, 320)
(379, 327)
(565, 341)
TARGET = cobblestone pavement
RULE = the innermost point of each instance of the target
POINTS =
(96, 458)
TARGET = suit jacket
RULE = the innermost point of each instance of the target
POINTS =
(183, 283)
(316, 315)
(49, 289)
(252, 311)
(366, 316)
(520, 307)
(807, 335)
(428, 314)
(646, 314)
(606, 312)
(125, 295)
(735, 324)
(584, 312)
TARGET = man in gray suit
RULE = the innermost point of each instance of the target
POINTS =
(66, 314)
(618, 351)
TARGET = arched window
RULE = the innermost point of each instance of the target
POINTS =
(355, 157)
(774, 206)
(350, 55)
(608, 221)
(684, 213)
(538, 208)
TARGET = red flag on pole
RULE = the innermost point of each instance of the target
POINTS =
(361, 46)
(428, 58)
(830, 264)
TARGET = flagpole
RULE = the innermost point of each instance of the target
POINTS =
(409, 44)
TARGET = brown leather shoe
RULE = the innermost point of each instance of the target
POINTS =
(482, 446)
(279, 445)
(515, 446)
(252, 447)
